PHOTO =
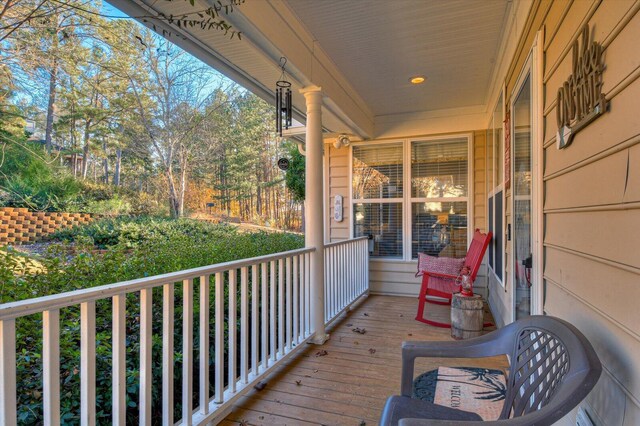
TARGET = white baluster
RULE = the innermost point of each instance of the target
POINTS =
(51, 366)
(362, 263)
(265, 317)
(204, 344)
(345, 282)
(296, 282)
(244, 326)
(340, 271)
(146, 304)
(8, 400)
(187, 352)
(167, 354)
(232, 329)
(254, 319)
(307, 279)
(327, 277)
(288, 305)
(340, 266)
(303, 313)
(272, 310)
(280, 307)
(352, 280)
(88, 363)
(119, 363)
(366, 263)
(219, 337)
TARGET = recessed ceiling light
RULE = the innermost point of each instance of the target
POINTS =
(418, 79)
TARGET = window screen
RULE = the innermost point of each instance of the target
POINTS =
(377, 172)
(382, 223)
(495, 178)
(490, 159)
(439, 168)
(491, 248)
(439, 229)
(498, 235)
(439, 171)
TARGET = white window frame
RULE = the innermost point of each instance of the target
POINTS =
(491, 192)
(532, 67)
(407, 200)
(411, 200)
(378, 200)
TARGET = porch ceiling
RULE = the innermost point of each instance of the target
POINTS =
(361, 53)
(379, 45)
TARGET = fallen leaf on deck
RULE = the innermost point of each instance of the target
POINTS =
(260, 385)
(315, 371)
(322, 353)
(359, 330)
(365, 314)
(243, 423)
(401, 315)
(298, 382)
(372, 351)
(409, 334)
(363, 423)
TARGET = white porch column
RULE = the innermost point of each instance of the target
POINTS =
(314, 221)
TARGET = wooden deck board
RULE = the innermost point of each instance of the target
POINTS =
(350, 384)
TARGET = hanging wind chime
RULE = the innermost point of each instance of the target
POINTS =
(283, 100)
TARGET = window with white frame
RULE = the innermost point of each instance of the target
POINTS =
(495, 190)
(439, 197)
(430, 193)
(377, 182)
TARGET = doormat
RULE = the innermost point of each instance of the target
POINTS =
(478, 390)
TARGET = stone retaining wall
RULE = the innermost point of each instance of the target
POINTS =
(20, 226)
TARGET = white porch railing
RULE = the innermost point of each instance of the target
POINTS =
(271, 294)
(346, 275)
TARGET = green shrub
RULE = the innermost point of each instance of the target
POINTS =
(34, 180)
(111, 207)
(31, 178)
(135, 248)
(130, 231)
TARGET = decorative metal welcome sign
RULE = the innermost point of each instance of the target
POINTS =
(580, 99)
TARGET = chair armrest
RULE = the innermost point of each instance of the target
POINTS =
(492, 344)
(432, 422)
(528, 420)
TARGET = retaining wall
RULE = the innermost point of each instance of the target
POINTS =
(20, 226)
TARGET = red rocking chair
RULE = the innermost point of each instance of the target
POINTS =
(443, 285)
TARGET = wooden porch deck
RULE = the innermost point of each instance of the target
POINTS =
(349, 385)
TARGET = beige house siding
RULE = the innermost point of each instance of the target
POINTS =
(337, 175)
(397, 276)
(480, 201)
(480, 179)
(592, 200)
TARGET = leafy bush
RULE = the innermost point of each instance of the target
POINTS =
(111, 207)
(130, 231)
(135, 248)
(31, 178)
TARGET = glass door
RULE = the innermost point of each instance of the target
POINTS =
(522, 190)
